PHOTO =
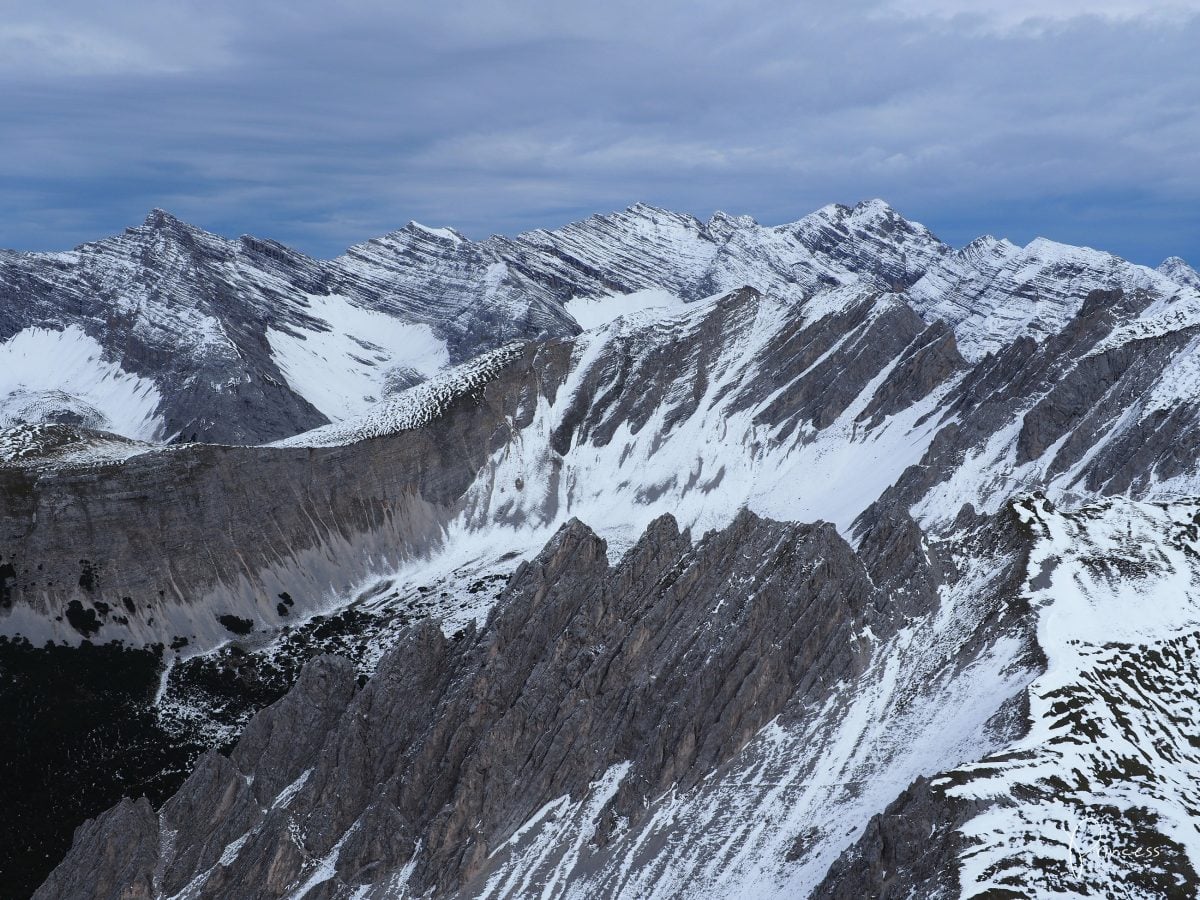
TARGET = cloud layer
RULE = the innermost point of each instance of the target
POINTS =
(322, 124)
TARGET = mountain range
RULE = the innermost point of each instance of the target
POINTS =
(646, 557)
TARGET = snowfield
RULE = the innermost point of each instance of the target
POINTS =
(63, 376)
(341, 364)
(1111, 761)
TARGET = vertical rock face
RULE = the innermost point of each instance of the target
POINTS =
(164, 544)
(121, 848)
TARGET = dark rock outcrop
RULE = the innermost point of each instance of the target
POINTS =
(668, 662)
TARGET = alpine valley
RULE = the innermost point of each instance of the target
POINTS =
(644, 558)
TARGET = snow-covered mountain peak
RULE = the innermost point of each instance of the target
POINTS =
(440, 234)
(989, 245)
(160, 218)
(993, 292)
(161, 226)
(873, 213)
(654, 213)
(1179, 271)
(869, 241)
(413, 238)
(722, 225)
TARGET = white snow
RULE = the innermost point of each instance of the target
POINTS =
(560, 830)
(445, 234)
(45, 371)
(993, 292)
(1113, 716)
(593, 312)
(409, 409)
(43, 445)
(702, 468)
(340, 364)
(288, 794)
(324, 868)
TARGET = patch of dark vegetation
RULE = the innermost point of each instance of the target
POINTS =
(79, 734)
(128, 601)
(331, 631)
(89, 576)
(82, 620)
(8, 578)
(231, 684)
(236, 624)
(484, 583)
(282, 609)
(287, 598)
(234, 683)
(81, 731)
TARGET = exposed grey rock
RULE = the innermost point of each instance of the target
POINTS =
(672, 660)
(282, 742)
(192, 534)
(121, 848)
(904, 851)
(931, 360)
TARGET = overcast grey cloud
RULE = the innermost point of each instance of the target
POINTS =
(323, 124)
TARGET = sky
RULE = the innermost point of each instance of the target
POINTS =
(324, 124)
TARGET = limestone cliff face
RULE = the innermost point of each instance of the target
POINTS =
(165, 543)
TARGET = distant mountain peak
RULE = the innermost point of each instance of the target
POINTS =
(742, 221)
(1179, 271)
(444, 233)
(159, 219)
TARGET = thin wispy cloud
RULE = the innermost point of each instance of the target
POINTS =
(322, 125)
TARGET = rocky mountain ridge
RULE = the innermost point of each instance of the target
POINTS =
(167, 332)
(780, 614)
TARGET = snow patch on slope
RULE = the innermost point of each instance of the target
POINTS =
(340, 365)
(593, 312)
(703, 468)
(1102, 790)
(62, 376)
(412, 408)
(42, 445)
